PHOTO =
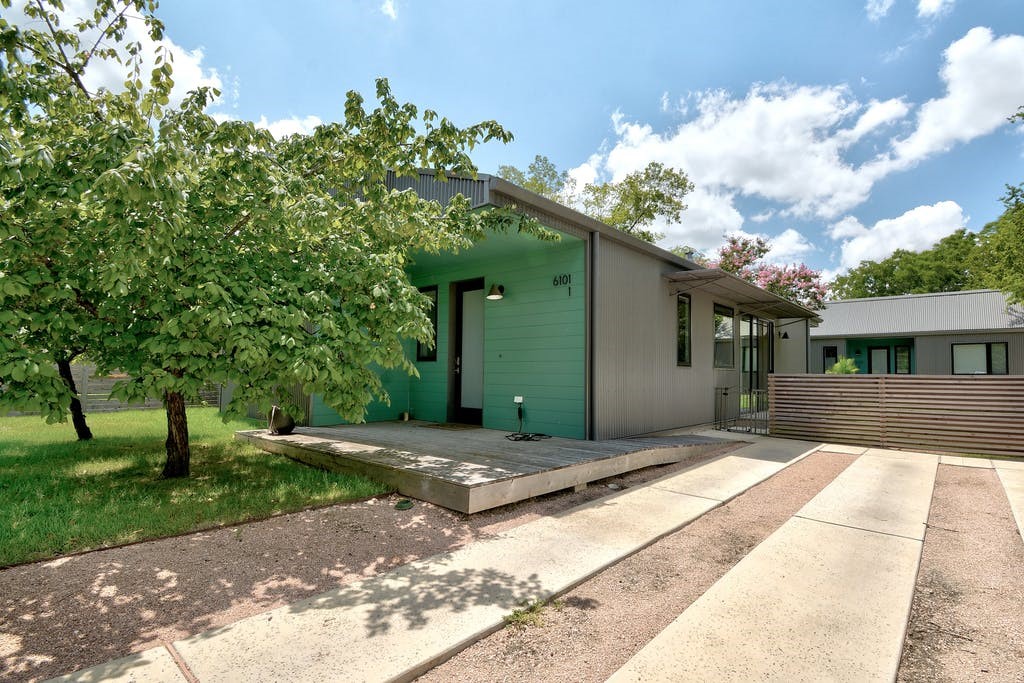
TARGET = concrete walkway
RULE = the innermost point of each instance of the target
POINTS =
(1011, 473)
(826, 597)
(400, 624)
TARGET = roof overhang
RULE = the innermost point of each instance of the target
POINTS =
(750, 298)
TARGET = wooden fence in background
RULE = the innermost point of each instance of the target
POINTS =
(94, 393)
(959, 414)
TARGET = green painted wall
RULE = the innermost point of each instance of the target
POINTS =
(857, 349)
(534, 339)
(396, 383)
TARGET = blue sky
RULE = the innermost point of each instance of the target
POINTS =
(839, 129)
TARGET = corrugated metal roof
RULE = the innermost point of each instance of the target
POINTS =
(974, 310)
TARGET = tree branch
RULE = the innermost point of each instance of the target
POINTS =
(66, 65)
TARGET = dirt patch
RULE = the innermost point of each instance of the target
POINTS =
(589, 633)
(967, 619)
(78, 611)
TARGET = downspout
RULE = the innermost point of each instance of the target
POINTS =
(593, 262)
(807, 346)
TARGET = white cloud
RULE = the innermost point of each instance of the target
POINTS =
(847, 227)
(877, 115)
(389, 10)
(877, 9)
(781, 142)
(790, 146)
(290, 126)
(787, 247)
(710, 216)
(915, 230)
(928, 9)
(984, 79)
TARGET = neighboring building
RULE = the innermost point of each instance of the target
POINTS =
(952, 333)
(601, 334)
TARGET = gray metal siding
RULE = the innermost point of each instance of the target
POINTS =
(935, 356)
(637, 385)
(919, 314)
(428, 188)
(816, 358)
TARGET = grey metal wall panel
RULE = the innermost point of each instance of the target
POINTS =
(791, 353)
(638, 386)
(426, 186)
(934, 353)
(816, 357)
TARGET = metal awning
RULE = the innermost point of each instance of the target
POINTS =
(750, 298)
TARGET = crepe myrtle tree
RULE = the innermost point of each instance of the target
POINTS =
(742, 256)
(211, 252)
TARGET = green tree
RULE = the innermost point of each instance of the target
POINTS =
(58, 139)
(631, 205)
(541, 177)
(194, 251)
(1001, 249)
(844, 366)
(949, 265)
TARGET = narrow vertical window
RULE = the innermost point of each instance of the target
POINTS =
(902, 360)
(428, 352)
(830, 356)
(683, 335)
(725, 337)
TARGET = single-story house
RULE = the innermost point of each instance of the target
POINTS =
(598, 335)
(951, 333)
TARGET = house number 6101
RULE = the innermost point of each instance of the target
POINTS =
(561, 280)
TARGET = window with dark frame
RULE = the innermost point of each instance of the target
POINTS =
(683, 333)
(987, 358)
(829, 357)
(902, 360)
(725, 337)
(428, 352)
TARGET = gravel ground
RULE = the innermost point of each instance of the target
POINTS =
(594, 629)
(967, 619)
(81, 610)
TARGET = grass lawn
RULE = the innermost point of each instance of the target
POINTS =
(58, 495)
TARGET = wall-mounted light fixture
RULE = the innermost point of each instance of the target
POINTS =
(497, 292)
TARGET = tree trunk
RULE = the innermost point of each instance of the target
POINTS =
(177, 436)
(77, 416)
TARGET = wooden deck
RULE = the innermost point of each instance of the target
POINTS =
(474, 469)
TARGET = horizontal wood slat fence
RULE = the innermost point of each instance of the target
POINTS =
(960, 414)
(94, 393)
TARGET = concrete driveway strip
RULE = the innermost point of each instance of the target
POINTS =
(397, 625)
(819, 600)
(879, 493)
(1012, 476)
(152, 666)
